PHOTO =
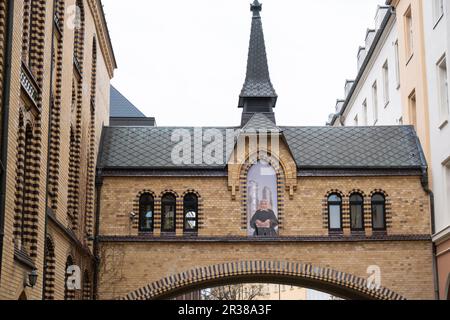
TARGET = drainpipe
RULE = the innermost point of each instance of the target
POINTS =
(50, 114)
(98, 190)
(5, 120)
(98, 193)
(426, 187)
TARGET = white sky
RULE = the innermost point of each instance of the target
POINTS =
(184, 61)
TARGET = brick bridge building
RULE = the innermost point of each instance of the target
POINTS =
(327, 208)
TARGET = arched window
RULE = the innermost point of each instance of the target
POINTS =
(378, 212)
(68, 293)
(168, 207)
(146, 213)
(190, 213)
(335, 212)
(262, 200)
(356, 212)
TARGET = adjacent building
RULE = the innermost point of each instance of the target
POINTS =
(404, 80)
(57, 61)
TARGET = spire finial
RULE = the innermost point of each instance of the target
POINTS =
(256, 7)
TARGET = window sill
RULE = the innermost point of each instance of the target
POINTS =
(443, 124)
(386, 104)
(398, 86)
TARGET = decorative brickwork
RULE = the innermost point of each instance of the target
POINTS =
(49, 269)
(55, 121)
(90, 187)
(245, 270)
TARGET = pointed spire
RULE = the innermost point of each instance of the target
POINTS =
(258, 90)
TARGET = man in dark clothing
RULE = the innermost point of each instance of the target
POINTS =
(264, 220)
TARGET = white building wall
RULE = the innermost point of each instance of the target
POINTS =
(437, 45)
(390, 113)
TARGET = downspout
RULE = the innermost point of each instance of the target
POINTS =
(5, 121)
(426, 188)
(50, 114)
(98, 191)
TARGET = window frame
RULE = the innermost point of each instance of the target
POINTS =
(359, 203)
(142, 217)
(373, 203)
(375, 102)
(386, 84)
(334, 203)
(185, 211)
(163, 213)
(443, 88)
(409, 33)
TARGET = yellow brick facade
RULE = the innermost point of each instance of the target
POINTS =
(131, 260)
(67, 242)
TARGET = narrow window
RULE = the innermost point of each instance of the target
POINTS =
(365, 114)
(335, 212)
(438, 10)
(409, 33)
(378, 212)
(168, 205)
(357, 212)
(146, 213)
(375, 102)
(190, 213)
(413, 110)
(397, 64)
(386, 83)
(443, 90)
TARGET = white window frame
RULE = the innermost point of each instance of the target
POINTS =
(397, 64)
(386, 95)
(438, 11)
(375, 102)
(443, 91)
(365, 113)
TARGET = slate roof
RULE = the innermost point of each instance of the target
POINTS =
(260, 122)
(257, 82)
(394, 147)
(121, 107)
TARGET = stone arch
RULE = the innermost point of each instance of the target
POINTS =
(244, 169)
(328, 280)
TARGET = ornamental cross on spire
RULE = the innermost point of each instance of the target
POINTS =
(256, 7)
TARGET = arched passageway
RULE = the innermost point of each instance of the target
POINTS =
(327, 280)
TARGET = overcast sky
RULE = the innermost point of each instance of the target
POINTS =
(184, 62)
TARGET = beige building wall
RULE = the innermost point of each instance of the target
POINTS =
(66, 242)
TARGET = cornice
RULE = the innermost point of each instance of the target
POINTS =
(103, 37)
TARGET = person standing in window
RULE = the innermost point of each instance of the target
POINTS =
(264, 220)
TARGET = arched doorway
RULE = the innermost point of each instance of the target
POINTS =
(327, 280)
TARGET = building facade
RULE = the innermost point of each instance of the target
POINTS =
(418, 74)
(60, 62)
(184, 209)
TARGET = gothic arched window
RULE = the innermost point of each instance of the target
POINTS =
(356, 212)
(378, 212)
(262, 200)
(146, 212)
(168, 214)
(335, 212)
(190, 213)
